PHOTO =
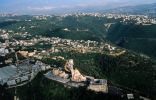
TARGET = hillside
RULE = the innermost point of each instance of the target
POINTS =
(129, 71)
(137, 37)
(140, 38)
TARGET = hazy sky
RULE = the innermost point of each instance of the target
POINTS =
(30, 6)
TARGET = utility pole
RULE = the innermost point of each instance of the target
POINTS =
(15, 95)
(15, 98)
(16, 58)
(17, 61)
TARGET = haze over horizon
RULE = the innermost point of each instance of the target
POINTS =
(49, 6)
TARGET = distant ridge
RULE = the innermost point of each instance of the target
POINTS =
(145, 9)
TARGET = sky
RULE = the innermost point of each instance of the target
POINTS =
(47, 6)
